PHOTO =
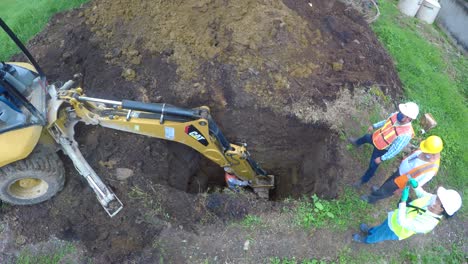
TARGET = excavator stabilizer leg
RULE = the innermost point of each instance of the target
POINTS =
(111, 203)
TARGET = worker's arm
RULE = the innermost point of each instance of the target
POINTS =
(425, 177)
(409, 157)
(404, 167)
(378, 124)
(420, 224)
(381, 123)
(397, 145)
(420, 192)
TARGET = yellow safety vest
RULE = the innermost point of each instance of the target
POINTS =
(411, 213)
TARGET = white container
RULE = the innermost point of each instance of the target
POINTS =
(428, 11)
(409, 7)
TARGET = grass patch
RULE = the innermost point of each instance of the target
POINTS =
(436, 254)
(27, 18)
(347, 211)
(58, 256)
(251, 221)
(427, 255)
(434, 78)
(348, 256)
(277, 260)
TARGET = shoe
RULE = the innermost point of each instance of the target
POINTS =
(353, 141)
(365, 198)
(374, 188)
(358, 184)
(364, 228)
(358, 238)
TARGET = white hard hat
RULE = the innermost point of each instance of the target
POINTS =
(409, 109)
(451, 200)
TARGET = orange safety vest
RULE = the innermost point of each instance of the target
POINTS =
(383, 137)
(401, 180)
(228, 176)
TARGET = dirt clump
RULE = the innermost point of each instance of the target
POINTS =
(279, 75)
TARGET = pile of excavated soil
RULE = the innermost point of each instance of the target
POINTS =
(280, 76)
(290, 57)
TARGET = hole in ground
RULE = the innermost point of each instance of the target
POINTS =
(302, 157)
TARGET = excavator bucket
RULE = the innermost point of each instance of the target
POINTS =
(263, 184)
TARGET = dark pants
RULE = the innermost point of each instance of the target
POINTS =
(367, 138)
(386, 190)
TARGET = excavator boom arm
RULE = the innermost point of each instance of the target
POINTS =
(192, 127)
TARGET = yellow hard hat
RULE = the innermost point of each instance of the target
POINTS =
(432, 145)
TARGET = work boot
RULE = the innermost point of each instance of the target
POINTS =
(353, 141)
(364, 228)
(374, 188)
(358, 238)
(358, 184)
(365, 198)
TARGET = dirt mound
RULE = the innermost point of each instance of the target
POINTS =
(281, 56)
(277, 75)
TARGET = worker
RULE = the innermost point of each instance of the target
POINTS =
(391, 136)
(422, 165)
(418, 217)
(233, 182)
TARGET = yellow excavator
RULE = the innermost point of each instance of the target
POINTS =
(37, 119)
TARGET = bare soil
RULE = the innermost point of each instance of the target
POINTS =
(282, 76)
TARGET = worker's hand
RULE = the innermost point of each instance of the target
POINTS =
(413, 183)
(405, 194)
(370, 129)
(378, 160)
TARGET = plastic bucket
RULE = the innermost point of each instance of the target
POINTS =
(428, 11)
(409, 7)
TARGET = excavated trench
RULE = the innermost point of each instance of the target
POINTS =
(300, 156)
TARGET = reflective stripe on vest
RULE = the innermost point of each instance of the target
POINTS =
(411, 213)
(384, 137)
(401, 180)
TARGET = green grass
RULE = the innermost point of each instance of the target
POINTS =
(347, 211)
(27, 257)
(428, 254)
(353, 256)
(434, 254)
(433, 77)
(251, 221)
(26, 18)
(277, 260)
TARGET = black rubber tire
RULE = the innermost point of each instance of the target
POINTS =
(42, 164)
